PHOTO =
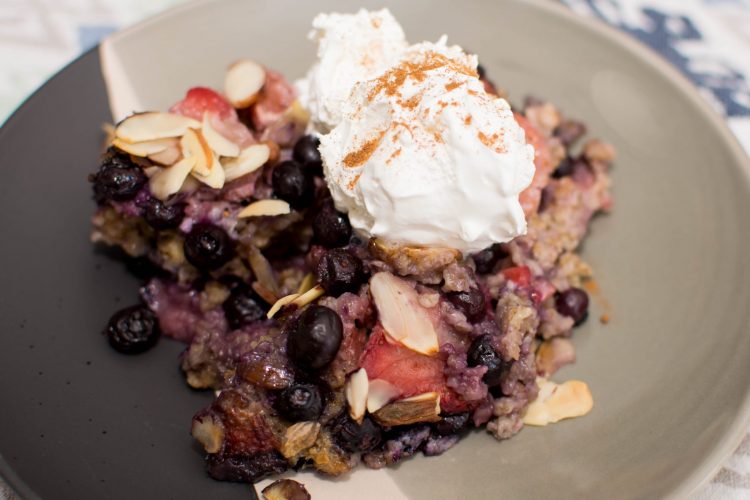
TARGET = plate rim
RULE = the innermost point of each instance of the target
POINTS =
(714, 459)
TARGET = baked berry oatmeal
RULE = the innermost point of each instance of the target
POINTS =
(364, 265)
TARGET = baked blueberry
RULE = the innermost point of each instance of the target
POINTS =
(574, 303)
(118, 179)
(293, 184)
(133, 330)
(481, 353)
(306, 152)
(339, 271)
(315, 337)
(243, 307)
(160, 215)
(471, 303)
(355, 437)
(331, 228)
(208, 247)
(300, 402)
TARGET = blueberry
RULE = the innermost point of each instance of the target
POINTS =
(162, 216)
(119, 179)
(568, 166)
(574, 303)
(315, 337)
(452, 424)
(339, 271)
(481, 71)
(133, 330)
(470, 303)
(354, 437)
(293, 184)
(331, 227)
(208, 247)
(306, 152)
(243, 307)
(570, 131)
(486, 259)
(300, 402)
(481, 353)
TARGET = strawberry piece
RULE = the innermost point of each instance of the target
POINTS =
(410, 372)
(520, 275)
(198, 100)
(201, 100)
(274, 99)
(532, 195)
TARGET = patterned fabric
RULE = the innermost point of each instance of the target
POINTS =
(708, 40)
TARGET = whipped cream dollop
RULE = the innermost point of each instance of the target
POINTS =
(352, 48)
(419, 153)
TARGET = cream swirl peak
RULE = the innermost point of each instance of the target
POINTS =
(424, 156)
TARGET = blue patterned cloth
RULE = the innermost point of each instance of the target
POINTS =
(708, 40)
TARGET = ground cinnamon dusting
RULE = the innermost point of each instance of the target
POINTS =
(392, 80)
(467, 120)
(353, 182)
(361, 155)
(452, 85)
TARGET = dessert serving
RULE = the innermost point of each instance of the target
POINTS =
(364, 265)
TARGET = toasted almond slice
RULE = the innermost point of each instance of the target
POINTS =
(215, 177)
(299, 437)
(144, 148)
(283, 301)
(167, 181)
(209, 432)
(403, 318)
(265, 208)
(380, 394)
(220, 144)
(309, 296)
(264, 293)
(356, 394)
(250, 159)
(191, 184)
(150, 171)
(243, 82)
(171, 155)
(556, 402)
(194, 144)
(153, 125)
(264, 273)
(307, 283)
(420, 408)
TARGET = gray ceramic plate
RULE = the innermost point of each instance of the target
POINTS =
(669, 373)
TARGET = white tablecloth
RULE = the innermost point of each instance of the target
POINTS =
(709, 40)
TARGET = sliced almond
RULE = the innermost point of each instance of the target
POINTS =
(266, 208)
(144, 148)
(421, 408)
(220, 144)
(264, 293)
(283, 301)
(556, 402)
(194, 144)
(209, 432)
(153, 125)
(307, 283)
(249, 160)
(167, 181)
(380, 394)
(243, 83)
(215, 177)
(262, 270)
(171, 155)
(299, 437)
(357, 394)
(285, 489)
(403, 318)
(150, 171)
(309, 296)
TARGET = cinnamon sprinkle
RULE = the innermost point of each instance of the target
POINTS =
(354, 181)
(392, 80)
(452, 85)
(467, 120)
(361, 155)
